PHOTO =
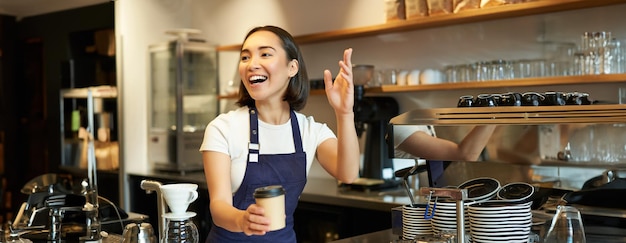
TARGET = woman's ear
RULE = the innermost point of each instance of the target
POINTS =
(293, 67)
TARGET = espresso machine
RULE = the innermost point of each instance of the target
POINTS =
(55, 211)
(371, 117)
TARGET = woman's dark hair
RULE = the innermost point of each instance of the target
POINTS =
(298, 89)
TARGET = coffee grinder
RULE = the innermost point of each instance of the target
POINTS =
(372, 115)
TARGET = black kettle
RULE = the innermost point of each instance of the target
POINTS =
(611, 178)
(605, 191)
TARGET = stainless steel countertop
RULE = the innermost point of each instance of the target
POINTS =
(317, 190)
(326, 191)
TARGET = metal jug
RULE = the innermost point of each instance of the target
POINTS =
(138, 232)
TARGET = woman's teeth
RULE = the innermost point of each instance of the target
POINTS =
(257, 79)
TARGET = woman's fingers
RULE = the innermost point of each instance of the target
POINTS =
(254, 221)
(346, 65)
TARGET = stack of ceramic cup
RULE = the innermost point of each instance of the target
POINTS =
(445, 216)
(413, 221)
(495, 221)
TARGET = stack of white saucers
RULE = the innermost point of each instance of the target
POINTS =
(413, 221)
(495, 221)
(445, 217)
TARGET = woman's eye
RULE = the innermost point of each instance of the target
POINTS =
(266, 54)
(244, 58)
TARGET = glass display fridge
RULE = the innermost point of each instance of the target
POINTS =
(183, 100)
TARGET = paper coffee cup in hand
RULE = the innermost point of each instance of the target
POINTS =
(179, 196)
(272, 200)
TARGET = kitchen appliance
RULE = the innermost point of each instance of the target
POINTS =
(183, 99)
(371, 116)
(602, 192)
(55, 210)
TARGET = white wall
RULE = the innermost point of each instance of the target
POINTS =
(225, 22)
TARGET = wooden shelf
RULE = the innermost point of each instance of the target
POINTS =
(463, 17)
(527, 82)
(514, 115)
(227, 96)
(103, 91)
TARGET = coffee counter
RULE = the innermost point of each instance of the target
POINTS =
(324, 209)
(321, 196)
(317, 190)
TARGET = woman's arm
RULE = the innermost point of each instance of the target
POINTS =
(223, 213)
(425, 146)
(340, 157)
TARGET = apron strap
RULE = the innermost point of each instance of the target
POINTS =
(253, 145)
(295, 130)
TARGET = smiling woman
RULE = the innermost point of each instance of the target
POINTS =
(242, 143)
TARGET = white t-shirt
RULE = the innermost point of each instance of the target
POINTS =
(229, 133)
(402, 132)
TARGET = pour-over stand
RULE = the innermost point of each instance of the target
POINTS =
(179, 217)
(179, 228)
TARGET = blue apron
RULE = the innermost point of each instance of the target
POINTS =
(288, 170)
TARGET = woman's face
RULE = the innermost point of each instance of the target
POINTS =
(264, 68)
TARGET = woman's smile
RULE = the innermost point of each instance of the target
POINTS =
(257, 79)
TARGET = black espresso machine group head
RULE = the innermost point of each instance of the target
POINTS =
(372, 115)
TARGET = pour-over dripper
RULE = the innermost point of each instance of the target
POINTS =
(178, 196)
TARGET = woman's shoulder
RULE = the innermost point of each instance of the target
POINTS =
(309, 123)
(234, 114)
(306, 119)
(230, 117)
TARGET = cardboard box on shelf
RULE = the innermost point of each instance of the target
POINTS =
(437, 7)
(395, 10)
(416, 8)
(460, 5)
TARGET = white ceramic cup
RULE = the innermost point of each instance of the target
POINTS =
(413, 78)
(430, 76)
(401, 78)
(272, 200)
(178, 196)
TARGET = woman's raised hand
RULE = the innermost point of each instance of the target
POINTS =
(340, 93)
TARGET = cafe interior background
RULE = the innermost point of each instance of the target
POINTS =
(36, 47)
